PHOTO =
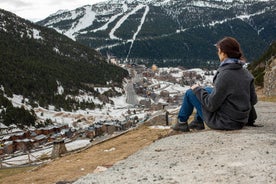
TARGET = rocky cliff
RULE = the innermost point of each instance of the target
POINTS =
(270, 78)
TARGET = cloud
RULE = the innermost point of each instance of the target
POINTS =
(15, 3)
(39, 9)
(35, 10)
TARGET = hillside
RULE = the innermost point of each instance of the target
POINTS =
(169, 32)
(46, 67)
(258, 66)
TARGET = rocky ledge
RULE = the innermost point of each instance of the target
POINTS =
(209, 156)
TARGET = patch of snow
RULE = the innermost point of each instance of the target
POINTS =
(16, 100)
(77, 144)
(207, 4)
(24, 159)
(55, 49)
(36, 34)
(60, 89)
(84, 22)
(102, 89)
(160, 127)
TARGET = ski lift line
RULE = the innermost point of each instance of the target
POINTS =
(138, 30)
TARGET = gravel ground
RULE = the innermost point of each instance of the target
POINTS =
(209, 156)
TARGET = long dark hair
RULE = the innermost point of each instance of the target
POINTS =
(231, 47)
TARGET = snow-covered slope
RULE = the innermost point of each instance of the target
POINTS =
(168, 32)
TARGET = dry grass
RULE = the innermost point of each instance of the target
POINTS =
(268, 99)
(75, 165)
(13, 171)
(262, 97)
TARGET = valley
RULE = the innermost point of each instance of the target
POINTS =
(149, 93)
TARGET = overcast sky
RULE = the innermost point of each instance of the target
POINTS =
(35, 10)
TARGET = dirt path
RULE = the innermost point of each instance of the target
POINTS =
(73, 166)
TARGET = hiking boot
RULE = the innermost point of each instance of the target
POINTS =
(181, 126)
(196, 125)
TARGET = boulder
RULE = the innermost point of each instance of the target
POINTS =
(270, 78)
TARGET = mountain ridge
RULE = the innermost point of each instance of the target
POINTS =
(168, 33)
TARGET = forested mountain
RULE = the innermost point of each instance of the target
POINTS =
(169, 32)
(47, 67)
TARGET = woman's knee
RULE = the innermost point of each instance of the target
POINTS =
(208, 89)
(189, 92)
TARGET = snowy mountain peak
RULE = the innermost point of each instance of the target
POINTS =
(168, 32)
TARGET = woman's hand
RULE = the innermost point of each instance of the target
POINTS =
(194, 86)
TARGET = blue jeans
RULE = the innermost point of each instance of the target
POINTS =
(190, 102)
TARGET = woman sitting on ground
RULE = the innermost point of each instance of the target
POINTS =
(227, 105)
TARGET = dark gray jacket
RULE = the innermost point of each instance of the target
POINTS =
(229, 104)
